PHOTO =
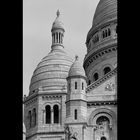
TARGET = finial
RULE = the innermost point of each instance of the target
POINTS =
(58, 13)
(76, 57)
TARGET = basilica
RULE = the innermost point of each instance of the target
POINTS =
(68, 100)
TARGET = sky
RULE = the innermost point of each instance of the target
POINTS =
(38, 17)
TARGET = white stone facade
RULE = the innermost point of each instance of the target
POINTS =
(69, 101)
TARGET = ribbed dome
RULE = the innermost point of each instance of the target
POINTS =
(51, 72)
(106, 10)
(58, 24)
(76, 68)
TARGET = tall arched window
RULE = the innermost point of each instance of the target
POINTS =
(30, 119)
(82, 85)
(109, 32)
(95, 77)
(48, 114)
(56, 113)
(34, 117)
(75, 114)
(106, 70)
(75, 85)
(89, 82)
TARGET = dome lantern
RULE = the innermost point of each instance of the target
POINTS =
(50, 74)
(57, 32)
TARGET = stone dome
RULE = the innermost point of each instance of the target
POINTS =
(58, 24)
(50, 74)
(106, 10)
(76, 68)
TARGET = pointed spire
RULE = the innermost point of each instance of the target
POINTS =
(58, 13)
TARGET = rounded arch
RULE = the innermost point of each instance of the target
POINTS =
(103, 138)
(95, 75)
(29, 119)
(48, 103)
(56, 113)
(111, 115)
(106, 68)
(34, 117)
(48, 114)
(89, 82)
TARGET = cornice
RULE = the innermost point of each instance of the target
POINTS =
(43, 133)
(100, 103)
(98, 54)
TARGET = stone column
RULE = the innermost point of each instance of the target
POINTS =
(43, 116)
(52, 116)
(58, 37)
(60, 116)
(94, 128)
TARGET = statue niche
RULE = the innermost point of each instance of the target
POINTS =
(102, 130)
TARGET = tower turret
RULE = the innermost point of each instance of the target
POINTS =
(76, 105)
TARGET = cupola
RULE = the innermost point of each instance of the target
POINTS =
(76, 68)
(57, 32)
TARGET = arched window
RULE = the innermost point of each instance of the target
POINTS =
(48, 114)
(75, 114)
(30, 119)
(82, 85)
(102, 120)
(106, 70)
(56, 113)
(75, 85)
(95, 76)
(89, 82)
(109, 32)
(103, 138)
(34, 117)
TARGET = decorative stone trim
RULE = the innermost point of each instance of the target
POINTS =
(51, 97)
(101, 103)
(99, 81)
(30, 101)
(98, 54)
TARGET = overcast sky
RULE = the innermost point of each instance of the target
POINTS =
(38, 16)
